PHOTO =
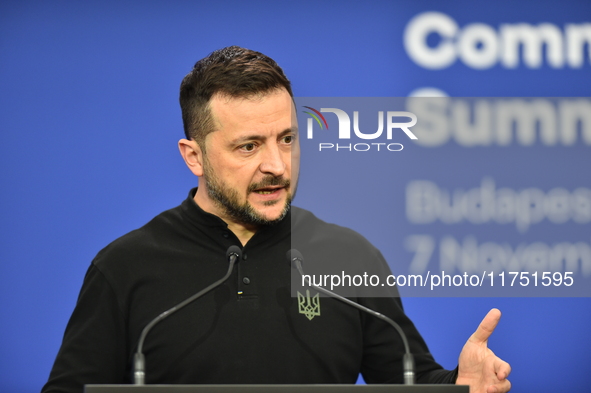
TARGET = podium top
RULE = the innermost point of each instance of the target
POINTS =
(276, 389)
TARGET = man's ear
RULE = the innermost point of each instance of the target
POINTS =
(193, 156)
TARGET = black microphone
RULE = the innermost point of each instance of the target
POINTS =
(139, 363)
(296, 260)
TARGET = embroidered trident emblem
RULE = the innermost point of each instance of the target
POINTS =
(309, 306)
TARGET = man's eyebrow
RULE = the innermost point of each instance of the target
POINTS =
(254, 137)
(258, 137)
(291, 130)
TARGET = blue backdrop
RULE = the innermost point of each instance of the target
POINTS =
(90, 121)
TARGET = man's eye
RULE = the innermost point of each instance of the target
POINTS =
(248, 147)
(288, 139)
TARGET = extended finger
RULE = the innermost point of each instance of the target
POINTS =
(487, 326)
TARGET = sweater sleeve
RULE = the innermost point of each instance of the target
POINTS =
(94, 348)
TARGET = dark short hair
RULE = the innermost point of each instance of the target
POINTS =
(233, 71)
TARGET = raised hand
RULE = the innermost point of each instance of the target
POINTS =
(479, 367)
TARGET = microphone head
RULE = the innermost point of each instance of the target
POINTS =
(294, 255)
(234, 251)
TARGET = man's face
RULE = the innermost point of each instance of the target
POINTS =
(251, 161)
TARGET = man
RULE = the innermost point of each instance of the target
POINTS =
(242, 144)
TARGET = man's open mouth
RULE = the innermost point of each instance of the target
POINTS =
(269, 186)
(267, 191)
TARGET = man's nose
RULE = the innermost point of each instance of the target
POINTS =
(273, 161)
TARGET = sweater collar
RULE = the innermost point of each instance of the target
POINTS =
(205, 220)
